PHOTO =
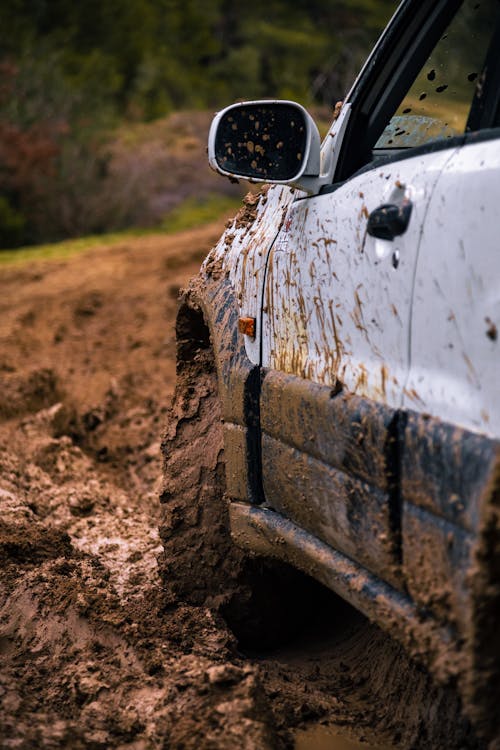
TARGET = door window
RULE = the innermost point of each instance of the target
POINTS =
(438, 103)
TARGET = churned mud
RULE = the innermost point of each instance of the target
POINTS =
(98, 652)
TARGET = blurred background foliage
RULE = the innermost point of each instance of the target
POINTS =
(104, 105)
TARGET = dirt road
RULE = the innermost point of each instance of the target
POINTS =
(95, 651)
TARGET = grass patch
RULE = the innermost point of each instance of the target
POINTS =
(58, 250)
(193, 212)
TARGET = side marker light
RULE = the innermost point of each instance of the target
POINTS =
(247, 326)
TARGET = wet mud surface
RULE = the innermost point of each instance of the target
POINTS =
(96, 651)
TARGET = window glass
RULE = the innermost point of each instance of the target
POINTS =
(437, 105)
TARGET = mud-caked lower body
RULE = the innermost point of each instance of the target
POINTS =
(393, 510)
(396, 512)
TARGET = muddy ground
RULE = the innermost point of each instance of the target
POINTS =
(95, 651)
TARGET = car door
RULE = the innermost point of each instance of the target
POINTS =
(454, 374)
(337, 301)
(337, 314)
(452, 400)
(336, 323)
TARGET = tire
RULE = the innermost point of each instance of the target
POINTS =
(200, 564)
(262, 601)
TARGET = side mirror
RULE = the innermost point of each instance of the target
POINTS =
(266, 141)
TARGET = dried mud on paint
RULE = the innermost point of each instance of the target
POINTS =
(95, 652)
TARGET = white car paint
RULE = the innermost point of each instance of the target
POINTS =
(242, 251)
(336, 307)
(455, 351)
(329, 304)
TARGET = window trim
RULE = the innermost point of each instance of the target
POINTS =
(404, 154)
(399, 56)
(484, 111)
(467, 139)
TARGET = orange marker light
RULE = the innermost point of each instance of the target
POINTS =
(247, 326)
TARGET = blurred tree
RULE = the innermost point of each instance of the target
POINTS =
(156, 55)
(52, 137)
(68, 70)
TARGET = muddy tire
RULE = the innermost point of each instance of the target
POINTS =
(261, 600)
(200, 564)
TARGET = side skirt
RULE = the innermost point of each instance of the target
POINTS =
(269, 534)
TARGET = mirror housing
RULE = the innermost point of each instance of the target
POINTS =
(269, 141)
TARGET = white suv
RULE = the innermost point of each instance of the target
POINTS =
(345, 330)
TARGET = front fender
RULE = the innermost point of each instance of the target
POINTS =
(208, 316)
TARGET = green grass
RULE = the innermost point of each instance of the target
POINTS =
(58, 250)
(195, 212)
(188, 215)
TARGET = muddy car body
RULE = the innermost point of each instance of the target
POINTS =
(352, 311)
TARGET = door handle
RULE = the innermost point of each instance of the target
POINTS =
(389, 221)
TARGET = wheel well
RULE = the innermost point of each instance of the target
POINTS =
(193, 336)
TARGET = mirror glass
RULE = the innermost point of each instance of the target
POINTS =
(263, 141)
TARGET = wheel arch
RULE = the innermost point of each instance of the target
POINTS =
(192, 331)
(207, 319)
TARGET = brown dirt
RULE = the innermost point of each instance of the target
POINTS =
(95, 651)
